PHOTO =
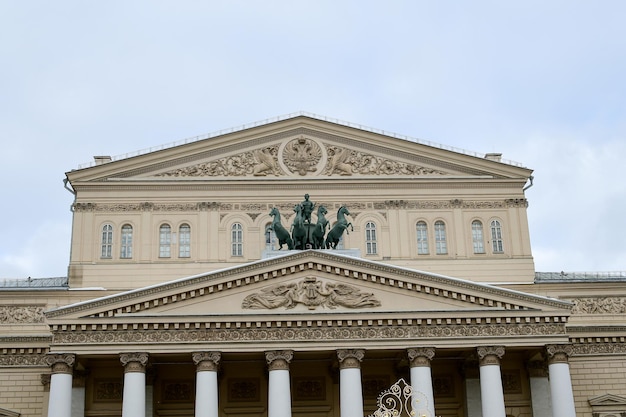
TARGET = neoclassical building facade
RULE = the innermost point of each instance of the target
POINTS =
(180, 301)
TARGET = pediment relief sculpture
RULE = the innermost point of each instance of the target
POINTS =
(311, 293)
(301, 156)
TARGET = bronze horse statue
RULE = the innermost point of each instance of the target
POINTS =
(337, 231)
(281, 233)
(317, 236)
(299, 230)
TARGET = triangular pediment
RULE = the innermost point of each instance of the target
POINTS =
(298, 147)
(607, 400)
(314, 283)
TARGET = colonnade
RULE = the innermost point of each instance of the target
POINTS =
(350, 386)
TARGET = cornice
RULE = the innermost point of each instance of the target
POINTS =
(317, 261)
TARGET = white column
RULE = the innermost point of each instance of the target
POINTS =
(423, 403)
(60, 402)
(207, 393)
(134, 401)
(491, 392)
(279, 386)
(78, 394)
(350, 385)
(540, 389)
(560, 381)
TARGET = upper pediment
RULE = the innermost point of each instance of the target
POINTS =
(296, 148)
(315, 284)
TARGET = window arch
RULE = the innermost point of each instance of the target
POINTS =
(106, 241)
(126, 248)
(478, 240)
(270, 237)
(236, 239)
(184, 241)
(496, 237)
(441, 243)
(422, 238)
(165, 241)
(370, 239)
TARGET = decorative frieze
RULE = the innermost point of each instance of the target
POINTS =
(299, 331)
(278, 359)
(599, 305)
(312, 293)
(590, 349)
(12, 314)
(490, 355)
(350, 358)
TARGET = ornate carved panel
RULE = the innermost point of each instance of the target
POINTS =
(244, 390)
(309, 389)
(107, 390)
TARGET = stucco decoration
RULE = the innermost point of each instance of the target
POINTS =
(21, 314)
(258, 162)
(311, 293)
(599, 305)
(302, 155)
(342, 161)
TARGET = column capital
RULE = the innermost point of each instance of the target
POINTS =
(206, 361)
(61, 363)
(420, 356)
(350, 358)
(490, 355)
(278, 359)
(559, 353)
(134, 361)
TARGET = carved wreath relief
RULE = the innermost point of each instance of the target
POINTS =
(301, 156)
(311, 293)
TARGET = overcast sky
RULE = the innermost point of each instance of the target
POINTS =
(543, 82)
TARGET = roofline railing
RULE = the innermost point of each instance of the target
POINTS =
(291, 116)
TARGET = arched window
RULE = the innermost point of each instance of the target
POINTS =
(496, 237)
(126, 249)
(236, 239)
(370, 238)
(106, 242)
(478, 240)
(270, 237)
(422, 238)
(441, 244)
(165, 241)
(184, 241)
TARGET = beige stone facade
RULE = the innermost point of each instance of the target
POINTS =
(174, 276)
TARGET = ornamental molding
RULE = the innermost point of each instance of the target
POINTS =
(37, 359)
(490, 355)
(61, 363)
(206, 361)
(134, 361)
(312, 293)
(599, 305)
(350, 358)
(594, 349)
(12, 314)
(278, 359)
(420, 356)
(309, 332)
(319, 262)
(262, 207)
(559, 353)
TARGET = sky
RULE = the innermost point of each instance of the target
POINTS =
(541, 81)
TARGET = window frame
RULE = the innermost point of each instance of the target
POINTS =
(184, 240)
(236, 240)
(421, 238)
(165, 241)
(126, 241)
(371, 240)
(441, 238)
(478, 237)
(497, 236)
(106, 241)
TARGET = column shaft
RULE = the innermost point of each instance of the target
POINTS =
(422, 381)
(491, 392)
(350, 386)
(60, 402)
(207, 392)
(560, 381)
(279, 389)
(134, 400)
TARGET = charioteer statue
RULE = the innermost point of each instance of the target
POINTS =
(304, 234)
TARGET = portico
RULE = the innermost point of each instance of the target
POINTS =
(466, 348)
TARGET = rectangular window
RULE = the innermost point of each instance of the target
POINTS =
(441, 245)
(184, 241)
(422, 238)
(165, 241)
(106, 243)
(126, 251)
